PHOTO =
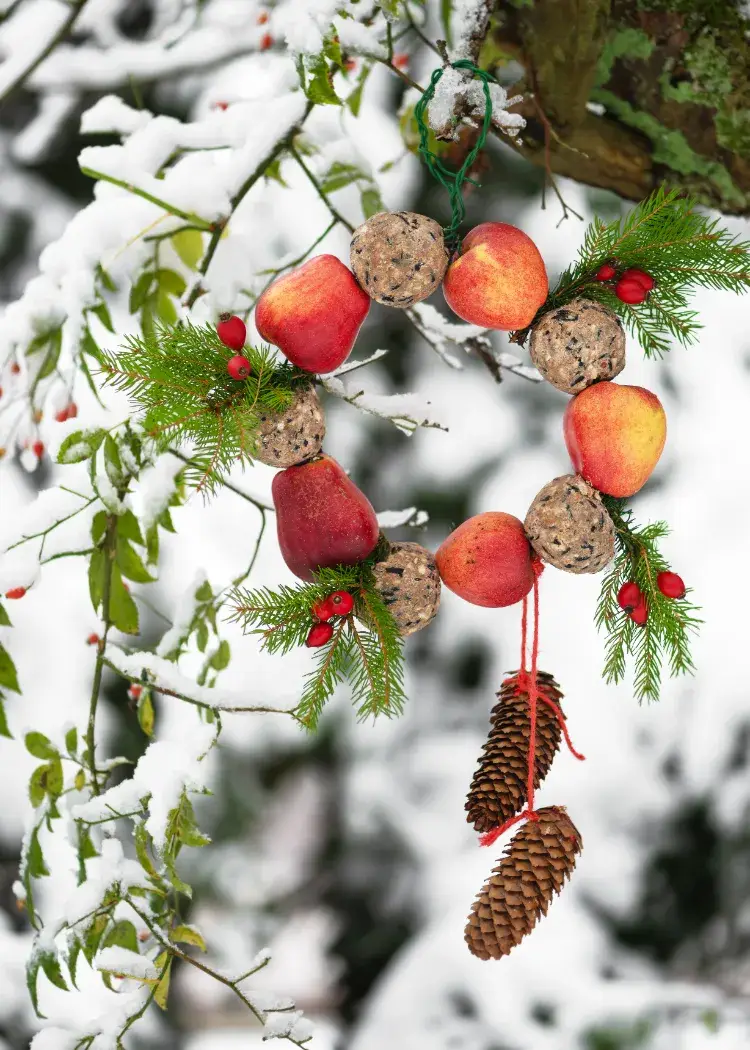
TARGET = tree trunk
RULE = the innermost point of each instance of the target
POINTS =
(629, 95)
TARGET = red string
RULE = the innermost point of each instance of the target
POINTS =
(527, 683)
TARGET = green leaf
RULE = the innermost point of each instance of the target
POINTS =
(187, 830)
(52, 356)
(354, 101)
(372, 202)
(123, 612)
(140, 290)
(33, 967)
(80, 780)
(80, 445)
(98, 526)
(220, 659)
(90, 346)
(98, 567)
(389, 9)
(170, 282)
(122, 935)
(129, 562)
(201, 635)
(152, 544)
(4, 731)
(105, 278)
(146, 712)
(204, 592)
(112, 461)
(332, 50)
(165, 309)
(71, 741)
(94, 935)
(4, 618)
(189, 246)
(128, 527)
(162, 990)
(72, 960)
(52, 971)
(38, 785)
(55, 777)
(85, 845)
(8, 676)
(102, 312)
(319, 88)
(40, 746)
(36, 867)
(710, 1019)
(340, 175)
(188, 935)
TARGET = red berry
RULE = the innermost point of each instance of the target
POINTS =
(72, 410)
(629, 596)
(266, 41)
(641, 276)
(135, 691)
(323, 610)
(401, 61)
(220, 105)
(62, 415)
(262, 18)
(238, 367)
(320, 634)
(350, 64)
(639, 615)
(670, 585)
(15, 368)
(15, 592)
(38, 449)
(93, 639)
(629, 290)
(605, 272)
(342, 603)
(232, 331)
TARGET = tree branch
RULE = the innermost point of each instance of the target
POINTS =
(76, 8)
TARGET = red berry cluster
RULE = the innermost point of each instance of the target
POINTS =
(69, 412)
(232, 331)
(340, 603)
(632, 599)
(632, 286)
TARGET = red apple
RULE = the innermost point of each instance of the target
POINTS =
(487, 560)
(313, 314)
(322, 518)
(615, 435)
(498, 280)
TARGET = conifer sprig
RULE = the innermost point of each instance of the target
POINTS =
(177, 378)
(671, 621)
(681, 249)
(366, 648)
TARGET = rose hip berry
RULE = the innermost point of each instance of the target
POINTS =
(605, 272)
(266, 41)
(15, 592)
(38, 449)
(320, 634)
(93, 639)
(232, 331)
(323, 609)
(671, 585)
(629, 596)
(238, 367)
(630, 290)
(639, 615)
(342, 603)
(135, 691)
(644, 278)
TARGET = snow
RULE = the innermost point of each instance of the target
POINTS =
(111, 868)
(125, 963)
(183, 616)
(394, 519)
(167, 770)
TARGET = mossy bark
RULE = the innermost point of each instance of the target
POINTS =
(629, 94)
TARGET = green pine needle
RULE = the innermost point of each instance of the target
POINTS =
(681, 249)
(671, 621)
(178, 379)
(366, 648)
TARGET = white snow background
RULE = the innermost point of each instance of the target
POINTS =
(406, 778)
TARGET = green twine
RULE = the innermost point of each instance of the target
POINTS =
(453, 181)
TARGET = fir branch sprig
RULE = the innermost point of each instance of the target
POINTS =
(366, 648)
(177, 378)
(681, 249)
(671, 621)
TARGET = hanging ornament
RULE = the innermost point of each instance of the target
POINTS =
(537, 861)
(498, 790)
(577, 345)
(615, 435)
(313, 314)
(487, 560)
(323, 520)
(399, 258)
(569, 527)
(294, 435)
(408, 581)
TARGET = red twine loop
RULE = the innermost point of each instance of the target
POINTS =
(527, 683)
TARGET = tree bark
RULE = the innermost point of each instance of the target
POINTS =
(629, 94)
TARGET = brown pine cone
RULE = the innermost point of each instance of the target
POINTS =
(537, 861)
(498, 790)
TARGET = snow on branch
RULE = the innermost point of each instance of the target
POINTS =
(458, 98)
(394, 519)
(407, 412)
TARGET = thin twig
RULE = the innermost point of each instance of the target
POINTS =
(75, 10)
(193, 220)
(335, 214)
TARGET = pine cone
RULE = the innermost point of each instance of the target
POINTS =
(498, 790)
(537, 861)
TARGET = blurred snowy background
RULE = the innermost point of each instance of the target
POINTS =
(347, 853)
